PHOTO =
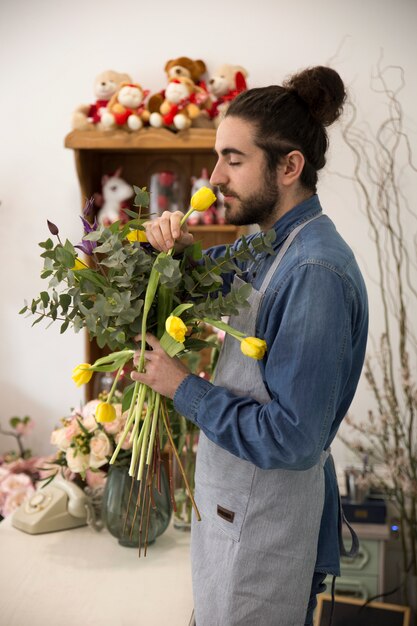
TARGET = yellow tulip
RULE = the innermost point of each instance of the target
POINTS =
(253, 347)
(137, 235)
(79, 265)
(176, 328)
(105, 412)
(81, 375)
(203, 199)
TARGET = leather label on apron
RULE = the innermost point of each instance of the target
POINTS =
(227, 515)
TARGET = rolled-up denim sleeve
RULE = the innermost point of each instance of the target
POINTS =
(307, 371)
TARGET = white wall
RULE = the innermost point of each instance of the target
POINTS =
(50, 52)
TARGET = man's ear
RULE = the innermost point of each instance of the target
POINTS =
(290, 168)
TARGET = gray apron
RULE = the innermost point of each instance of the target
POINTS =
(253, 552)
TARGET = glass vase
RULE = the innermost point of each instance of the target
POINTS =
(124, 519)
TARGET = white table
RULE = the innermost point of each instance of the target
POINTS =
(81, 577)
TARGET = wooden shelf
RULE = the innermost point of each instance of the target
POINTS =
(146, 139)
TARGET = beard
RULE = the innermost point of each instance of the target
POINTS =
(256, 208)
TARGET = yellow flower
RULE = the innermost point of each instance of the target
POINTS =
(105, 412)
(176, 328)
(81, 375)
(253, 347)
(203, 199)
(137, 235)
(79, 265)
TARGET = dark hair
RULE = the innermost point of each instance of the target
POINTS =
(294, 116)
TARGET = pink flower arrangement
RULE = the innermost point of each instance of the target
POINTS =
(19, 471)
(86, 446)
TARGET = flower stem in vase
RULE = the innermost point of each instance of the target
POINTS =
(187, 485)
(148, 516)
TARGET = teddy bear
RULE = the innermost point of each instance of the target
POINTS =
(88, 116)
(181, 67)
(225, 84)
(181, 105)
(126, 108)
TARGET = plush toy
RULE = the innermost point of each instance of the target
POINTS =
(181, 105)
(113, 199)
(88, 116)
(185, 67)
(126, 108)
(225, 84)
(182, 67)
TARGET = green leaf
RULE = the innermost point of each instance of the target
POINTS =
(14, 421)
(64, 257)
(37, 320)
(91, 275)
(194, 252)
(141, 198)
(198, 344)
(47, 245)
(64, 301)
(127, 397)
(181, 308)
(25, 308)
(64, 326)
(46, 273)
(45, 298)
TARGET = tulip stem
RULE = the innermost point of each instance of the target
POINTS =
(171, 441)
(129, 422)
(113, 387)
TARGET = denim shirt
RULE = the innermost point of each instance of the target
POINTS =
(314, 319)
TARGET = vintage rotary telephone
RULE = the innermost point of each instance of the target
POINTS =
(58, 506)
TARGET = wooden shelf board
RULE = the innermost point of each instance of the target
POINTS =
(146, 139)
(213, 228)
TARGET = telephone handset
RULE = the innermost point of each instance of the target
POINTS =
(58, 506)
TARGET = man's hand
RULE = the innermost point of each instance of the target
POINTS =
(163, 374)
(165, 231)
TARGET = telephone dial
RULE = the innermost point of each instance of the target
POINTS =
(58, 506)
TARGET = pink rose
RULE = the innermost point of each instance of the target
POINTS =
(100, 450)
(127, 444)
(59, 438)
(76, 461)
(95, 479)
(72, 430)
(47, 467)
(89, 409)
(14, 499)
(28, 466)
(15, 482)
(3, 473)
(116, 426)
(90, 423)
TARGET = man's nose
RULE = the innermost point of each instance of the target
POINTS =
(218, 176)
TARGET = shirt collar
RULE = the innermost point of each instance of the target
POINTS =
(297, 215)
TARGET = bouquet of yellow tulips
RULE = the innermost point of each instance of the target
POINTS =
(125, 287)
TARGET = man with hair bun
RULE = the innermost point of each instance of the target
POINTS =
(265, 481)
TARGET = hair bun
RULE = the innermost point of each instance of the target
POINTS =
(322, 89)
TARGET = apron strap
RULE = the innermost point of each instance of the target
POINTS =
(283, 250)
(354, 548)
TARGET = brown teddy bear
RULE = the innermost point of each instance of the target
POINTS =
(181, 105)
(185, 67)
(126, 108)
(224, 85)
(88, 116)
(181, 67)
